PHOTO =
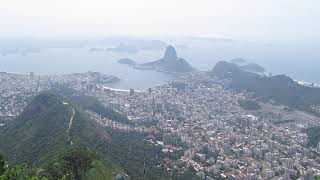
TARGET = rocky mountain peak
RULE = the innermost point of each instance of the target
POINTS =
(170, 53)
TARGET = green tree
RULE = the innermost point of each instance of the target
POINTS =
(15, 172)
(12, 173)
(2, 165)
(78, 160)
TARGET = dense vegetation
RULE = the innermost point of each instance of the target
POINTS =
(249, 105)
(313, 135)
(15, 172)
(79, 163)
(91, 103)
(37, 132)
(76, 163)
(85, 102)
(38, 137)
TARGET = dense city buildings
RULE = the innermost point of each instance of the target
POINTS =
(201, 123)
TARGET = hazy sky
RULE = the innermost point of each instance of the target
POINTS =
(254, 20)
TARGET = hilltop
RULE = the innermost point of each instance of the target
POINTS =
(253, 67)
(52, 126)
(45, 127)
(45, 130)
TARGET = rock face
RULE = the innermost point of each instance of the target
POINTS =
(169, 63)
(170, 54)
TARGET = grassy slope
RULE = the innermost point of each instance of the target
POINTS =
(38, 136)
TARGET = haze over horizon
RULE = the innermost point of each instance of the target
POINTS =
(264, 21)
(159, 89)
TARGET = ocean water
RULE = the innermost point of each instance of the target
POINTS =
(72, 60)
(300, 61)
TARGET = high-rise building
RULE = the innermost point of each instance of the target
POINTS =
(131, 92)
(227, 149)
(287, 163)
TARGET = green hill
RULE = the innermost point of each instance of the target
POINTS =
(280, 88)
(41, 134)
(39, 131)
(41, 138)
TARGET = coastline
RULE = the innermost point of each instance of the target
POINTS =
(141, 67)
(308, 84)
(120, 90)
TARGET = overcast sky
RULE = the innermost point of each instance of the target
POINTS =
(254, 20)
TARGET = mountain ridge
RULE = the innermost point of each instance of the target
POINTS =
(39, 136)
(43, 126)
(280, 88)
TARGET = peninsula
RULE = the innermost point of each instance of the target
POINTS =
(170, 62)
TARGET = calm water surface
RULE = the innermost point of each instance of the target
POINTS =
(301, 62)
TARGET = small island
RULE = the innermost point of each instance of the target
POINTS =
(127, 61)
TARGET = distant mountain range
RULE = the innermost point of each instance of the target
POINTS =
(280, 88)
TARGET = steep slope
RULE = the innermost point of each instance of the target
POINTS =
(45, 127)
(170, 62)
(92, 104)
(40, 135)
(41, 127)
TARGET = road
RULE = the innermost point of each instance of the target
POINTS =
(70, 125)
